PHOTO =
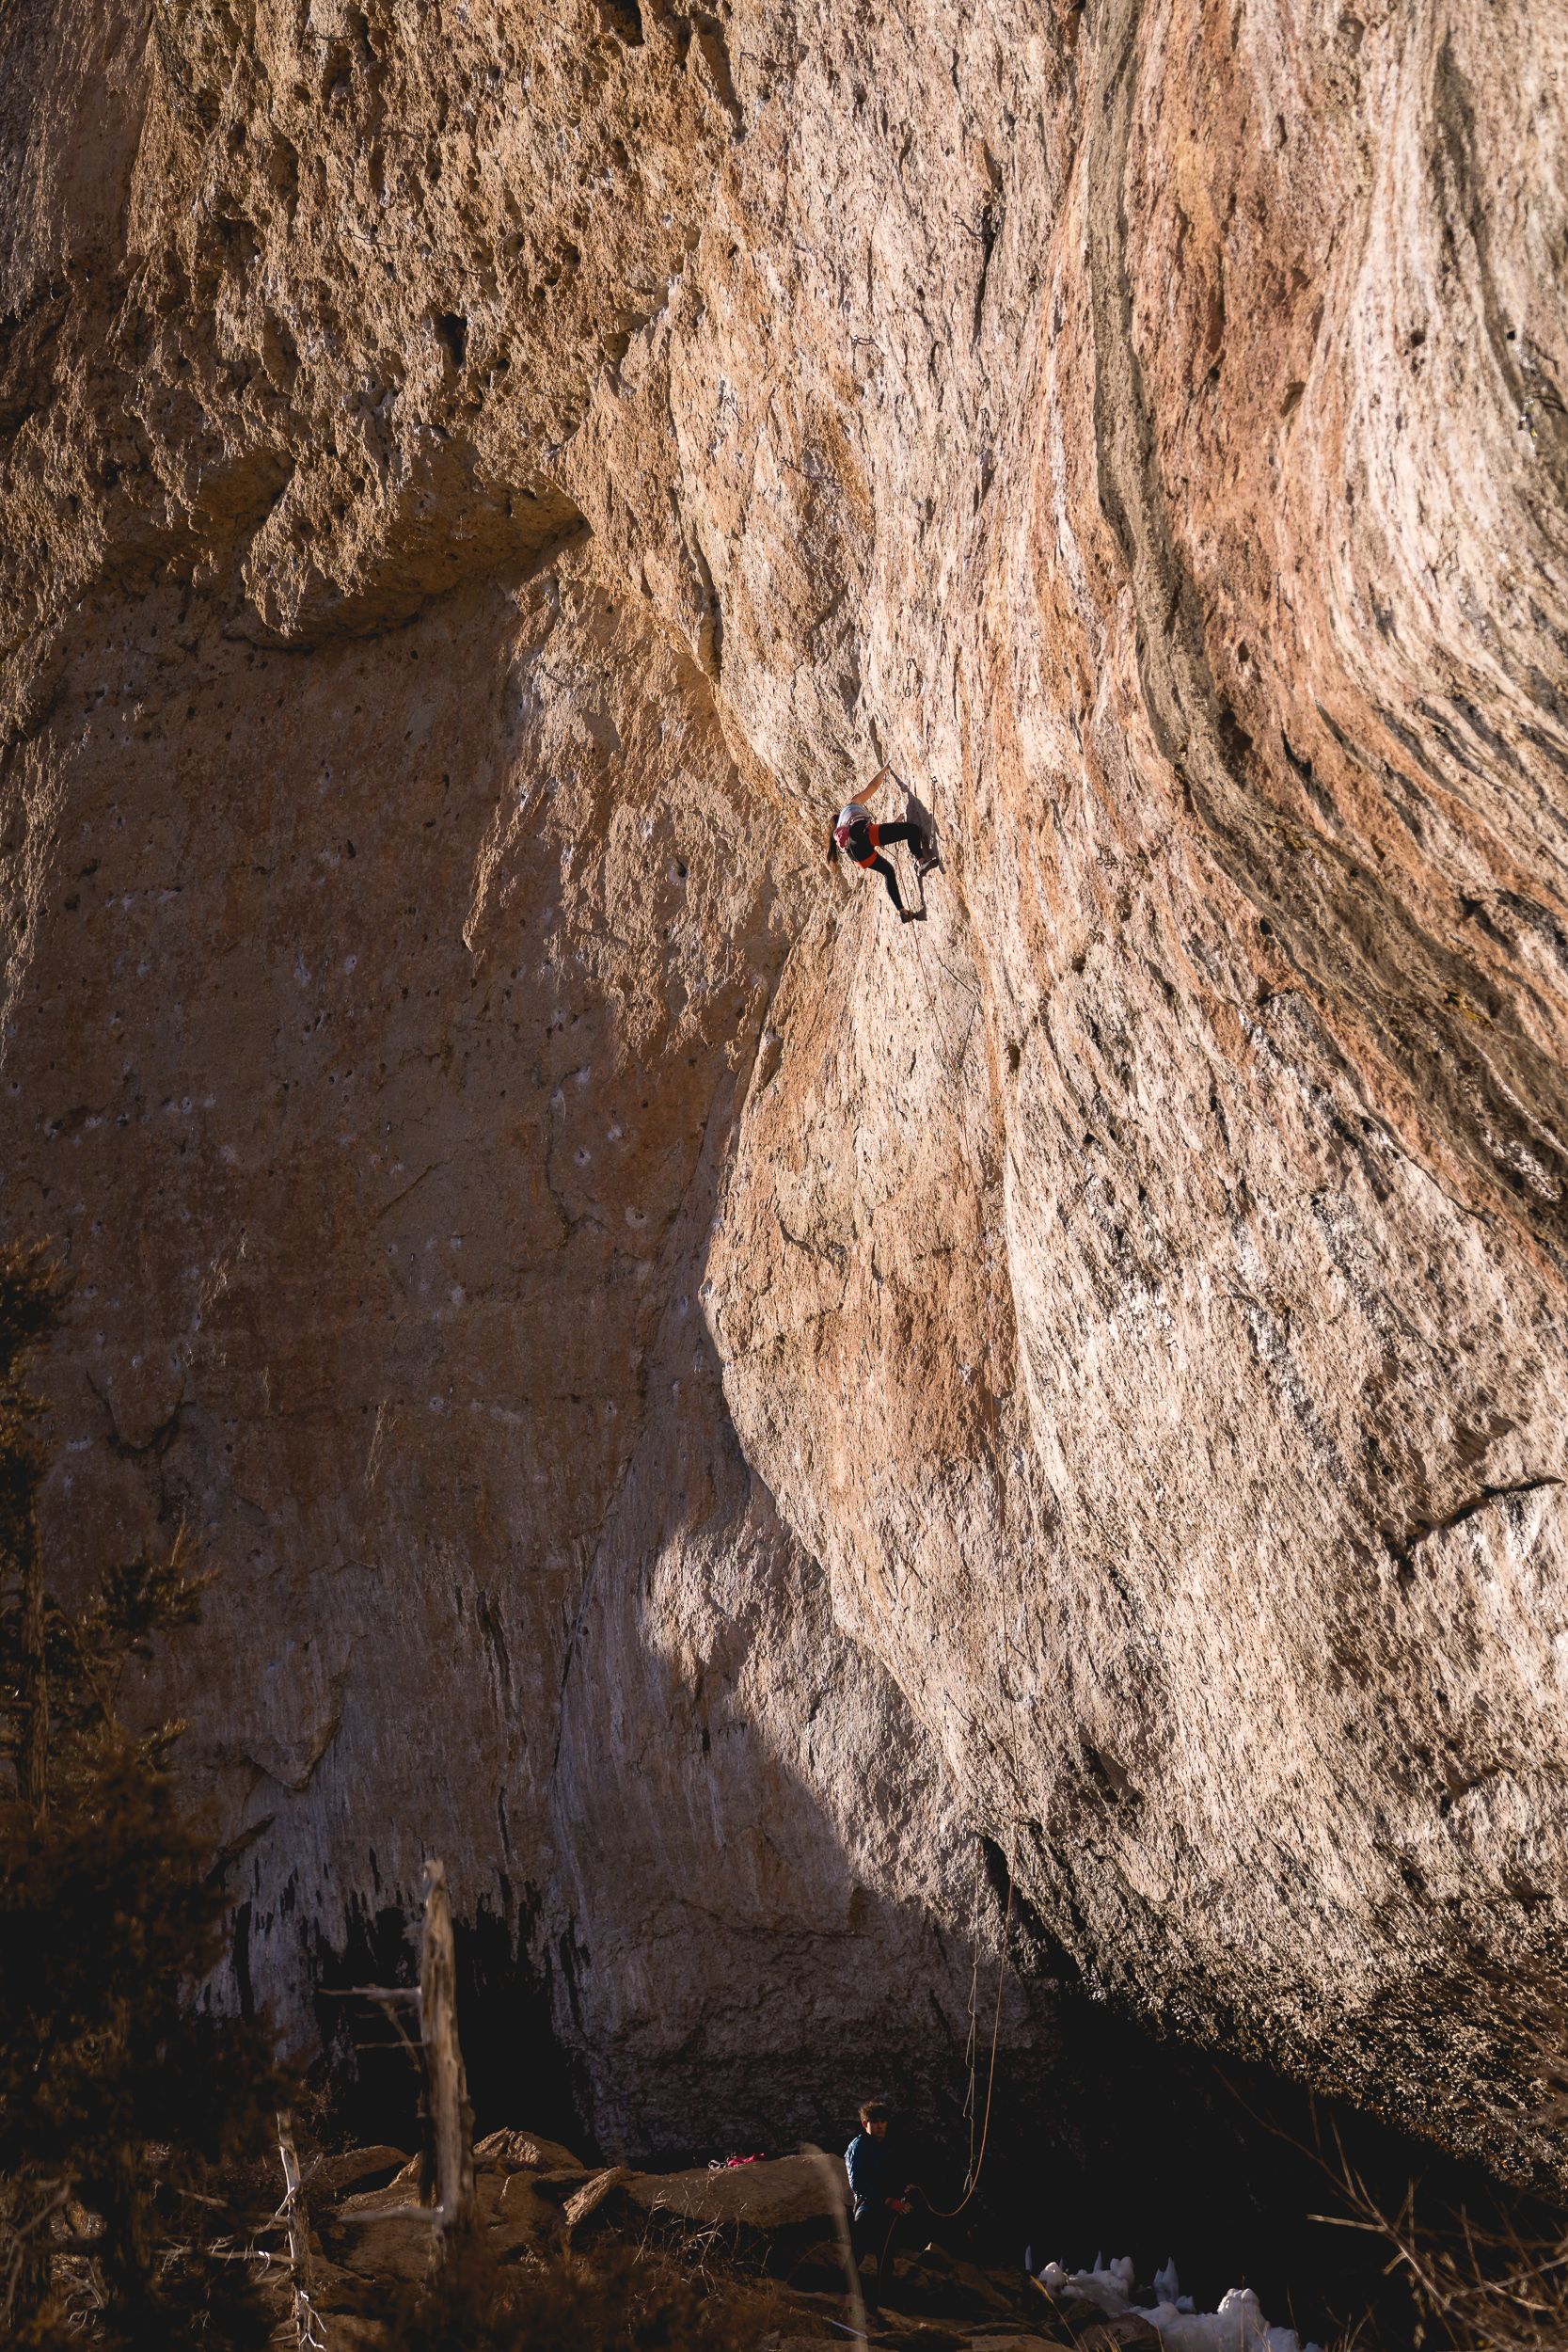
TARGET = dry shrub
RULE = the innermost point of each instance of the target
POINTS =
(1495, 2279)
(1497, 2286)
(118, 2096)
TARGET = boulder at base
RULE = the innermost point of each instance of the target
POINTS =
(355, 2169)
(601, 2206)
(525, 2151)
(777, 2207)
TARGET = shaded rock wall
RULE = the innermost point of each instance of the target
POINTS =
(707, 1399)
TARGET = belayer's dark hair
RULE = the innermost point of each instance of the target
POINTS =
(876, 2111)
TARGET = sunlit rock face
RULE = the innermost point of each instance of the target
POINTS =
(708, 1402)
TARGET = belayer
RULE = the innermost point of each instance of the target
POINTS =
(879, 2204)
(855, 833)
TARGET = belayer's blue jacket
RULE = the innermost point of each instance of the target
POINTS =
(869, 2165)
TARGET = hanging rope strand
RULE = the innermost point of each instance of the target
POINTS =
(950, 1060)
(972, 2045)
(949, 2213)
(937, 1032)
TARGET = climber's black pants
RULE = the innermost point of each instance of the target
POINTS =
(881, 866)
(885, 833)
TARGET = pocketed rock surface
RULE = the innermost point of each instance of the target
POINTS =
(707, 1401)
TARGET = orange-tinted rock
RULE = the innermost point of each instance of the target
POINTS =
(705, 1398)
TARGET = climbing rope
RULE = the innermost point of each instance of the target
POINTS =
(949, 1059)
(939, 1034)
(938, 1031)
(971, 2045)
(976, 2155)
(977, 2163)
(949, 2213)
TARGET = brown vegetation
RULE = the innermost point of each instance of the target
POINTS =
(624, 2301)
(119, 2097)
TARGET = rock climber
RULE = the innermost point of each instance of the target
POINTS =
(877, 2204)
(855, 833)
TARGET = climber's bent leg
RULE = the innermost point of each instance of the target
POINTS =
(919, 840)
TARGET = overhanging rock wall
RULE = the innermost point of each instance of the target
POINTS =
(707, 1399)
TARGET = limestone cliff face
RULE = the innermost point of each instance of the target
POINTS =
(709, 1400)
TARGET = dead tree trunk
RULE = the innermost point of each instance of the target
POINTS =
(449, 2118)
(309, 2334)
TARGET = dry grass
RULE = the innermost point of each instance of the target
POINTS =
(1480, 2287)
(1496, 2282)
(620, 2299)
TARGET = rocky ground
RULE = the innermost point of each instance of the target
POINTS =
(763, 2238)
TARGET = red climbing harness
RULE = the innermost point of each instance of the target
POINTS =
(853, 830)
